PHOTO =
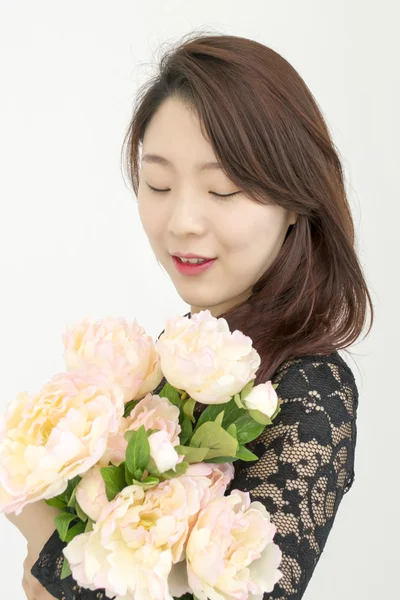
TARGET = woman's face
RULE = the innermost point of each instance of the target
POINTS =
(243, 236)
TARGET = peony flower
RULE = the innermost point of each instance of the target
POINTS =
(153, 412)
(55, 435)
(201, 356)
(230, 551)
(213, 480)
(121, 350)
(218, 477)
(91, 493)
(137, 539)
(262, 397)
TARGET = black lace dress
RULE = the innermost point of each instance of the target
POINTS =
(305, 466)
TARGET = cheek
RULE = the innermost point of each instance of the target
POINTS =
(244, 229)
(148, 218)
(252, 236)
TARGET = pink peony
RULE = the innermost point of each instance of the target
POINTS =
(201, 356)
(121, 350)
(55, 435)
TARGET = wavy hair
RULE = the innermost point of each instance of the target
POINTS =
(272, 141)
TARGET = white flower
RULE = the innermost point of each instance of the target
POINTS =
(262, 397)
(49, 438)
(162, 451)
(201, 356)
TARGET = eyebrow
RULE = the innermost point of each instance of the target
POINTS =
(161, 160)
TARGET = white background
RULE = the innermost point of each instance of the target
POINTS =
(71, 242)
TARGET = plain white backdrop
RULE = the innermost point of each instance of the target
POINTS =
(71, 242)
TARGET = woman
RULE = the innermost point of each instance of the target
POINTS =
(231, 160)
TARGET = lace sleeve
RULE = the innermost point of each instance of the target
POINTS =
(306, 463)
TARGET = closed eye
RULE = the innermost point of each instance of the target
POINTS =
(225, 195)
(212, 193)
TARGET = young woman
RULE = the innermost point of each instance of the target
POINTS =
(230, 160)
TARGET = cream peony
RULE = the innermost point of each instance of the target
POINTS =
(91, 493)
(153, 412)
(201, 356)
(212, 480)
(120, 349)
(230, 552)
(262, 397)
(137, 539)
(217, 478)
(55, 435)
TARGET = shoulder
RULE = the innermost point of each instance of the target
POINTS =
(327, 379)
(317, 420)
(319, 400)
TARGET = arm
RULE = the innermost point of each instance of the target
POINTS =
(36, 523)
(305, 465)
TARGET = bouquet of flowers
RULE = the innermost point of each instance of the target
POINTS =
(142, 482)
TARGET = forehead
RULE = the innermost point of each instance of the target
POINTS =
(152, 158)
(174, 137)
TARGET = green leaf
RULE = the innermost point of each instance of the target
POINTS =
(74, 531)
(186, 429)
(89, 525)
(232, 413)
(62, 522)
(219, 418)
(247, 429)
(72, 483)
(148, 483)
(260, 417)
(128, 475)
(129, 406)
(232, 430)
(114, 478)
(66, 569)
(220, 459)
(57, 502)
(209, 414)
(72, 500)
(138, 451)
(247, 389)
(81, 514)
(211, 435)
(238, 401)
(152, 469)
(180, 469)
(192, 454)
(188, 407)
(245, 454)
(168, 391)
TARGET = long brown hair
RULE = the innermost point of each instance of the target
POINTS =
(269, 135)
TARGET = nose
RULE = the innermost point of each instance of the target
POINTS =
(186, 215)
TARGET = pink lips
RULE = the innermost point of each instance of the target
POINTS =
(190, 255)
(192, 269)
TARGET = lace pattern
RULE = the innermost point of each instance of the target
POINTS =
(305, 466)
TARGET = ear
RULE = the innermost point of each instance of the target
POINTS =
(292, 218)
